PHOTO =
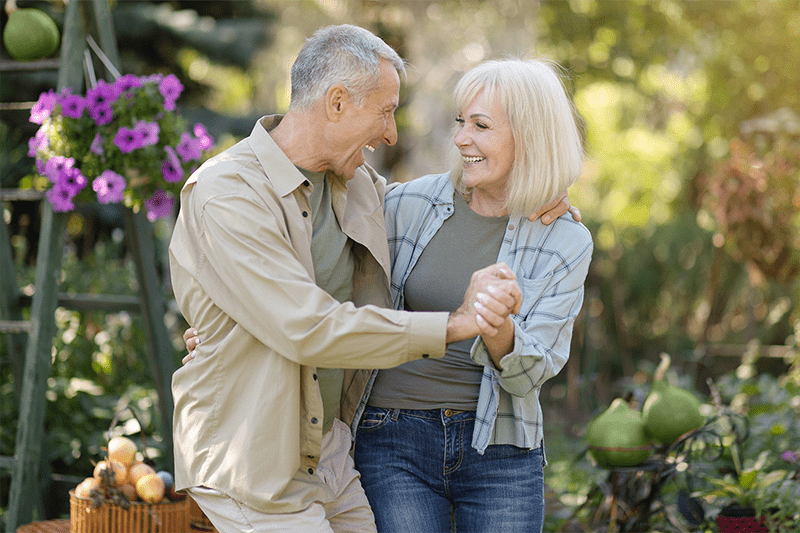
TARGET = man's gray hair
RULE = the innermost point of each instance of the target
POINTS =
(343, 54)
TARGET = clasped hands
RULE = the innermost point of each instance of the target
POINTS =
(492, 295)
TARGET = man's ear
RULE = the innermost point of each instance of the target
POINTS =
(335, 100)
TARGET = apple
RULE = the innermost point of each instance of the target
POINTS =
(150, 488)
(122, 449)
(138, 470)
(85, 487)
(119, 471)
(129, 491)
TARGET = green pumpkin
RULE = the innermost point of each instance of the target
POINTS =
(670, 412)
(616, 438)
(29, 34)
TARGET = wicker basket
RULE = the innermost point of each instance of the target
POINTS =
(198, 519)
(164, 517)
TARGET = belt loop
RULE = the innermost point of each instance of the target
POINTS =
(395, 414)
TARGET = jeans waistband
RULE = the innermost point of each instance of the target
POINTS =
(432, 414)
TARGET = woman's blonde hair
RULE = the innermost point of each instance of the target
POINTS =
(548, 146)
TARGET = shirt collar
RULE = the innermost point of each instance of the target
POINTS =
(283, 174)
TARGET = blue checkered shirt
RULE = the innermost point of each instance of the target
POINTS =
(551, 263)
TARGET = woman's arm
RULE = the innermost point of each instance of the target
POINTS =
(534, 344)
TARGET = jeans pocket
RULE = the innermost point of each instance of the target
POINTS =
(374, 418)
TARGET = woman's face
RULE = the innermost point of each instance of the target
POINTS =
(486, 143)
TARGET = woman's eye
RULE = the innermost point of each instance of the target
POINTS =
(481, 125)
(459, 120)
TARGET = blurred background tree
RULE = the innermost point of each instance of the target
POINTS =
(690, 189)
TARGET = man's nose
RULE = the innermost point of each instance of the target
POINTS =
(390, 135)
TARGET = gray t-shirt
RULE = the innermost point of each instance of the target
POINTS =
(466, 242)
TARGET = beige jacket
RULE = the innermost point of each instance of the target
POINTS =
(248, 412)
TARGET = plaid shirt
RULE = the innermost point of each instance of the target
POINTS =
(551, 263)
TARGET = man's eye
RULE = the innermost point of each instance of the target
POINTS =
(481, 125)
(459, 120)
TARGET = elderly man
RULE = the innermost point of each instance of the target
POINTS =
(279, 260)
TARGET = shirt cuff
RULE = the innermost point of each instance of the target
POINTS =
(428, 333)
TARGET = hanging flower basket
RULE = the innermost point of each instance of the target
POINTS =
(121, 142)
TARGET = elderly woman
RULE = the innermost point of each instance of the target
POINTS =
(462, 436)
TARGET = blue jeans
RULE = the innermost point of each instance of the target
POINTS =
(419, 471)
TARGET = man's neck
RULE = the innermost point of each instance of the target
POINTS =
(298, 137)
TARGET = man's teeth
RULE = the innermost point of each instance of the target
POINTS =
(370, 148)
(472, 159)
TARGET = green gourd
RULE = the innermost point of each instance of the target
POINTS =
(669, 411)
(616, 438)
(29, 34)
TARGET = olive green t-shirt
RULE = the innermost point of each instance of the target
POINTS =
(333, 270)
(466, 242)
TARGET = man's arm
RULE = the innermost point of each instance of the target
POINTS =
(492, 295)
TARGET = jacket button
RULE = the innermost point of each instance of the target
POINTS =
(314, 420)
(511, 227)
(315, 377)
(305, 214)
(306, 183)
(310, 470)
(425, 356)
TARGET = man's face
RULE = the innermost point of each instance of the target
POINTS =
(367, 125)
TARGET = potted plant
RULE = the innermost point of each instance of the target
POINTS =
(757, 487)
(121, 142)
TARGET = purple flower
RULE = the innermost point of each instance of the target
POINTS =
(171, 168)
(170, 88)
(61, 198)
(189, 148)
(149, 132)
(127, 82)
(72, 180)
(109, 187)
(791, 456)
(206, 141)
(159, 205)
(55, 167)
(40, 141)
(72, 106)
(102, 114)
(102, 94)
(128, 139)
(42, 108)
(41, 167)
(97, 145)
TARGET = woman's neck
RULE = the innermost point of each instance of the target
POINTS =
(485, 205)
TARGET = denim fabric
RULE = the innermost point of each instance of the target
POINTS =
(418, 465)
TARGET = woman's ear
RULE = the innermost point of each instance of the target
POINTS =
(335, 99)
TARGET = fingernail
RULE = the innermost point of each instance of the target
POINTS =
(482, 297)
(492, 289)
(546, 218)
(194, 332)
(478, 305)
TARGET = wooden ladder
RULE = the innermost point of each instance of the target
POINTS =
(82, 17)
